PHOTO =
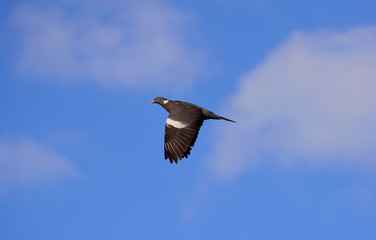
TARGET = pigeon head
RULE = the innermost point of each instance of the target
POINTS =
(160, 100)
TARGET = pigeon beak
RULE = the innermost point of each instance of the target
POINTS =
(152, 102)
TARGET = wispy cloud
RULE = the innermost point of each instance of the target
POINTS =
(24, 162)
(130, 43)
(310, 103)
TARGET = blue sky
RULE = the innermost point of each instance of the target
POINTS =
(81, 148)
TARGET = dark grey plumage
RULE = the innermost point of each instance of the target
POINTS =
(182, 126)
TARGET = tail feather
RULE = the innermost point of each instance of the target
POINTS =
(223, 118)
(210, 115)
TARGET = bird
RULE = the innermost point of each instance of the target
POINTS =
(182, 127)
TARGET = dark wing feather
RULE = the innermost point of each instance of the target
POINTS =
(179, 141)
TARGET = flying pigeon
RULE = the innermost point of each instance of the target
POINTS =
(182, 126)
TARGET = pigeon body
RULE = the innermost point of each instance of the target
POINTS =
(182, 126)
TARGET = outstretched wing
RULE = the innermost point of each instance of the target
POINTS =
(181, 132)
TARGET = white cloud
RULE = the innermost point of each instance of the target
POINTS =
(135, 43)
(310, 103)
(25, 162)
